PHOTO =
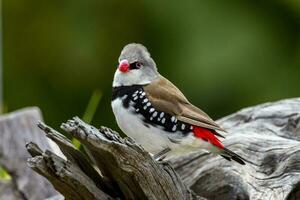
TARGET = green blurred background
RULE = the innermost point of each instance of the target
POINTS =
(224, 55)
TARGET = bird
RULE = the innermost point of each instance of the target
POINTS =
(156, 114)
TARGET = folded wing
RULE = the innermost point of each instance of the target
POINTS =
(166, 97)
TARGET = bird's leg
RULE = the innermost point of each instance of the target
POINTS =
(162, 154)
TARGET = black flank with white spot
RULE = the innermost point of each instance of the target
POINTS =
(135, 96)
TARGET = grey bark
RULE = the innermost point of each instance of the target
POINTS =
(267, 136)
(16, 129)
(127, 171)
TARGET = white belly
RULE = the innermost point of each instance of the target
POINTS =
(154, 139)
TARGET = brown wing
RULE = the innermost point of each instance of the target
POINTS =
(166, 97)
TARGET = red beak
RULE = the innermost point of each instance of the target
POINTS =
(124, 66)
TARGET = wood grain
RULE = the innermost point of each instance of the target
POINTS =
(267, 136)
(16, 129)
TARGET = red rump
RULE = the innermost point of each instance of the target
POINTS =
(207, 135)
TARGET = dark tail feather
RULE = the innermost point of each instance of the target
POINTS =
(229, 155)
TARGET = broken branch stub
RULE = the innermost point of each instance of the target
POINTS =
(267, 136)
(127, 171)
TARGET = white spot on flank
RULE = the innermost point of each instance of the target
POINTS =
(161, 114)
(173, 118)
(182, 126)
(137, 110)
(143, 94)
(134, 95)
(135, 98)
(151, 118)
(145, 100)
(140, 91)
(148, 104)
(145, 107)
(191, 127)
(174, 128)
(152, 110)
(154, 114)
(163, 120)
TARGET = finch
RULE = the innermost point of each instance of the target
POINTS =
(156, 114)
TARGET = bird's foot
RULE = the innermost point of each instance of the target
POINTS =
(164, 162)
(160, 156)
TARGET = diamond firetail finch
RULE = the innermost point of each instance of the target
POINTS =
(156, 114)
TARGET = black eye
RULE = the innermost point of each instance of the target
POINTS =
(135, 65)
(138, 65)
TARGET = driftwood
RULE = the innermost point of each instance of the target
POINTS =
(127, 171)
(16, 129)
(267, 136)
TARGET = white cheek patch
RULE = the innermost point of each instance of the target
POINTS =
(133, 77)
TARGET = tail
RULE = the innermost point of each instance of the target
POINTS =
(230, 155)
(209, 136)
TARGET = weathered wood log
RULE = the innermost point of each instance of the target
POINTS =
(16, 129)
(69, 171)
(268, 137)
(127, 170)
(67, 177)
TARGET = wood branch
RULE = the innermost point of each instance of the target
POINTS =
(126, 167)
(76, 157)
(17, 128)
(268, 137)
(65, 176)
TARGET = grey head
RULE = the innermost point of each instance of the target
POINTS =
(136, 67)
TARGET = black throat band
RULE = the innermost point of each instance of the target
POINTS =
(120, 91)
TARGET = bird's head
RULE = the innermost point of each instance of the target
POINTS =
(136, 67)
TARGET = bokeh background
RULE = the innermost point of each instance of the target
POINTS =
(60, 55)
